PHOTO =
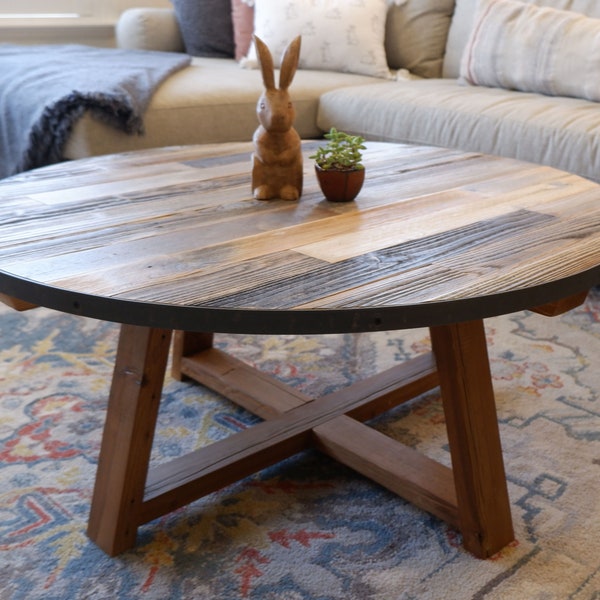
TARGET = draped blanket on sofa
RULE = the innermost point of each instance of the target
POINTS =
(45, 89)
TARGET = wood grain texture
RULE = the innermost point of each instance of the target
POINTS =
(293, 420)
(471, 422)
(127, 439)
(173, 238)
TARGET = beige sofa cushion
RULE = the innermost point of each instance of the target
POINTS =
(548, 130)
(214, 100)
(148, 29)
(462, 23)
(416, 33)
(533, 49)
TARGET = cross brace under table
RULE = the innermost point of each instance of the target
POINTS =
(472, 496)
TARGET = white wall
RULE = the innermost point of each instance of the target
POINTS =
(97, 30)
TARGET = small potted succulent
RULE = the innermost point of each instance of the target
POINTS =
(338, 166)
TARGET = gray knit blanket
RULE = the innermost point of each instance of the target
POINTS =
(45, 89)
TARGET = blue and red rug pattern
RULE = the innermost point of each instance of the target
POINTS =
(307, 528)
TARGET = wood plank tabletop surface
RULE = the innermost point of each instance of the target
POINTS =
(173, 238)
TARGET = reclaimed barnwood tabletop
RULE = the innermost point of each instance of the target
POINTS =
(171, 240)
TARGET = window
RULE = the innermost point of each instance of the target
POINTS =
(9, 9)
(65, 21)
(20, 10)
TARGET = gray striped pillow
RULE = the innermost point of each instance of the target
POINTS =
(530, 48)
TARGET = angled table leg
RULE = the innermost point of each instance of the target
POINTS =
(127, 440)
(186, 343)
(473, 435)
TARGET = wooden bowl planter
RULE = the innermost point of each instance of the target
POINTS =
(338, 185)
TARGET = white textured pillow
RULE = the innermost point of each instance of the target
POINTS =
(533, 49)
(337, 35)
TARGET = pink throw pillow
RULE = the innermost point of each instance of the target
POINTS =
(243, 27)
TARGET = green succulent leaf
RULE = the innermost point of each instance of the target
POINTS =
(342, 152)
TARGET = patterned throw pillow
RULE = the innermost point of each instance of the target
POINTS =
(530, 48)
(337, 35)
(206, 27)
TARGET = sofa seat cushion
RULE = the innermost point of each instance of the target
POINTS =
(555, 131)
(213, 100)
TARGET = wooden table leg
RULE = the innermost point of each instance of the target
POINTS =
(127, 440)
(186, 343)
(125, 494)
(471, 421)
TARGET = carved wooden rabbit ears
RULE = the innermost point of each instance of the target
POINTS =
(289, 63)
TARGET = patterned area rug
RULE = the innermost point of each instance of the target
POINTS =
(308, 528)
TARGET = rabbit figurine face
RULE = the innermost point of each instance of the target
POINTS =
(277, 158)
(275, 110)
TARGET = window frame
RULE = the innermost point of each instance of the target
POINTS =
(31, 9)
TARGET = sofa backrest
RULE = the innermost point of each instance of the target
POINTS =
(416, 33)
(465, 10)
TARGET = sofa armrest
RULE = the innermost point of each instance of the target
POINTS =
(149, 29)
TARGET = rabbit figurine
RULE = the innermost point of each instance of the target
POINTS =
(277, 157)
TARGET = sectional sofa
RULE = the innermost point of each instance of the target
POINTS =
(516, 78)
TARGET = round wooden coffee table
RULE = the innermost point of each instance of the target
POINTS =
(171, 240)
